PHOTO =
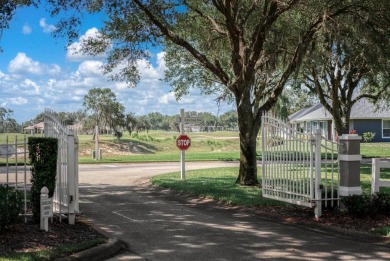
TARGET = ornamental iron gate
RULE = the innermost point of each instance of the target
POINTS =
(298, 168)
(66, 194)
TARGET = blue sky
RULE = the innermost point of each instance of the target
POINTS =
(38, 71)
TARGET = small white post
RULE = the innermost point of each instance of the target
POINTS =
(318, 178)
(182, 152)
(375, 175)
(97, 143)
(46, 209)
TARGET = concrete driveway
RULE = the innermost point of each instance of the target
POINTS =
(159, 225)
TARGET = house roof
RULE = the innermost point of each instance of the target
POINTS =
(304, 111)
(40, 125)
(362, 109)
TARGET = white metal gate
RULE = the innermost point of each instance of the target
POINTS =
(66, 194)
(14, 169)
(298, 168)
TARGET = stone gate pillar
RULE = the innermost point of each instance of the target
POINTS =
(349, 160)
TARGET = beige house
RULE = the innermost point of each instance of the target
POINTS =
(36, 128)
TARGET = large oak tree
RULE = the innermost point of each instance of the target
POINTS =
(350, 61)
(245, 50)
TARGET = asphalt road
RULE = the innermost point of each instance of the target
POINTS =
(158, 225)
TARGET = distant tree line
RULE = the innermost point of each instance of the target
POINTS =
(102, 109)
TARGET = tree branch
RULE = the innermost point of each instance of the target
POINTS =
(183, 43)
(216, 26)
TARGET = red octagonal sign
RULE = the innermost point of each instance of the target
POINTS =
(183, 142)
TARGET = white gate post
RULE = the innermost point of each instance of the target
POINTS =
(375, 175)
(72, 178)
(349, 158)
(318, 178)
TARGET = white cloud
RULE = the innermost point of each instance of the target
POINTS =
(77, 98)
(74, 51)
(147, 72)
(18, 101)
(121, 85)
(167, 98)
(161, 67)
(26, 29)
(53, 69)
(47, 28)
(90, 68)
(30, 87)
(22, 64)
(80, 92)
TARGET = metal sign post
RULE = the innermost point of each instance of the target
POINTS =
(97, 142)
(183, 142)
(182, 152)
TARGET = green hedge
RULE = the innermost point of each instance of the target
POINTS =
(367, 205)
(11, 202)
(43, 158)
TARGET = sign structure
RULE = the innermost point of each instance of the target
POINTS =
(193, 120)
(46, 208)
(183, 142)
(190, 120)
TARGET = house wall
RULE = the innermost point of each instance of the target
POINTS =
(375, 126)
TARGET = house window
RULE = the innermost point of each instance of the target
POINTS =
(386, 128)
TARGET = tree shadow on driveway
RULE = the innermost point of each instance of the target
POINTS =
(161, 225)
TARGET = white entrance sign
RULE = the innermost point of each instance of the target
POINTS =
(47, 208)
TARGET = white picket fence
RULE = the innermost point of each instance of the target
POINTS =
(298, 168)
(376, 181)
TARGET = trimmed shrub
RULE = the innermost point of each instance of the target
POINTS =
(11, 202)
(380, 203)
(368, 136)
(357, 205)
(43, 158)
(118, 134)
(363, 205)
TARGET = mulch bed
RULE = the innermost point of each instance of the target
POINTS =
(27, 237)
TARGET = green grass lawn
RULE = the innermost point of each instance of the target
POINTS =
(375, 150)
(219, 184)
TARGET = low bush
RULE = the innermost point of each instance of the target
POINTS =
(380, 203)
(11, 202)
(368, 136)
(363, 205)
(118, 134)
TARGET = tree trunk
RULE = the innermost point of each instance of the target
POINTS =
(248, 130)
(342, 121)
(342, 127)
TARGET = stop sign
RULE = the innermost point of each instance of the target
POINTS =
(183, 142)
